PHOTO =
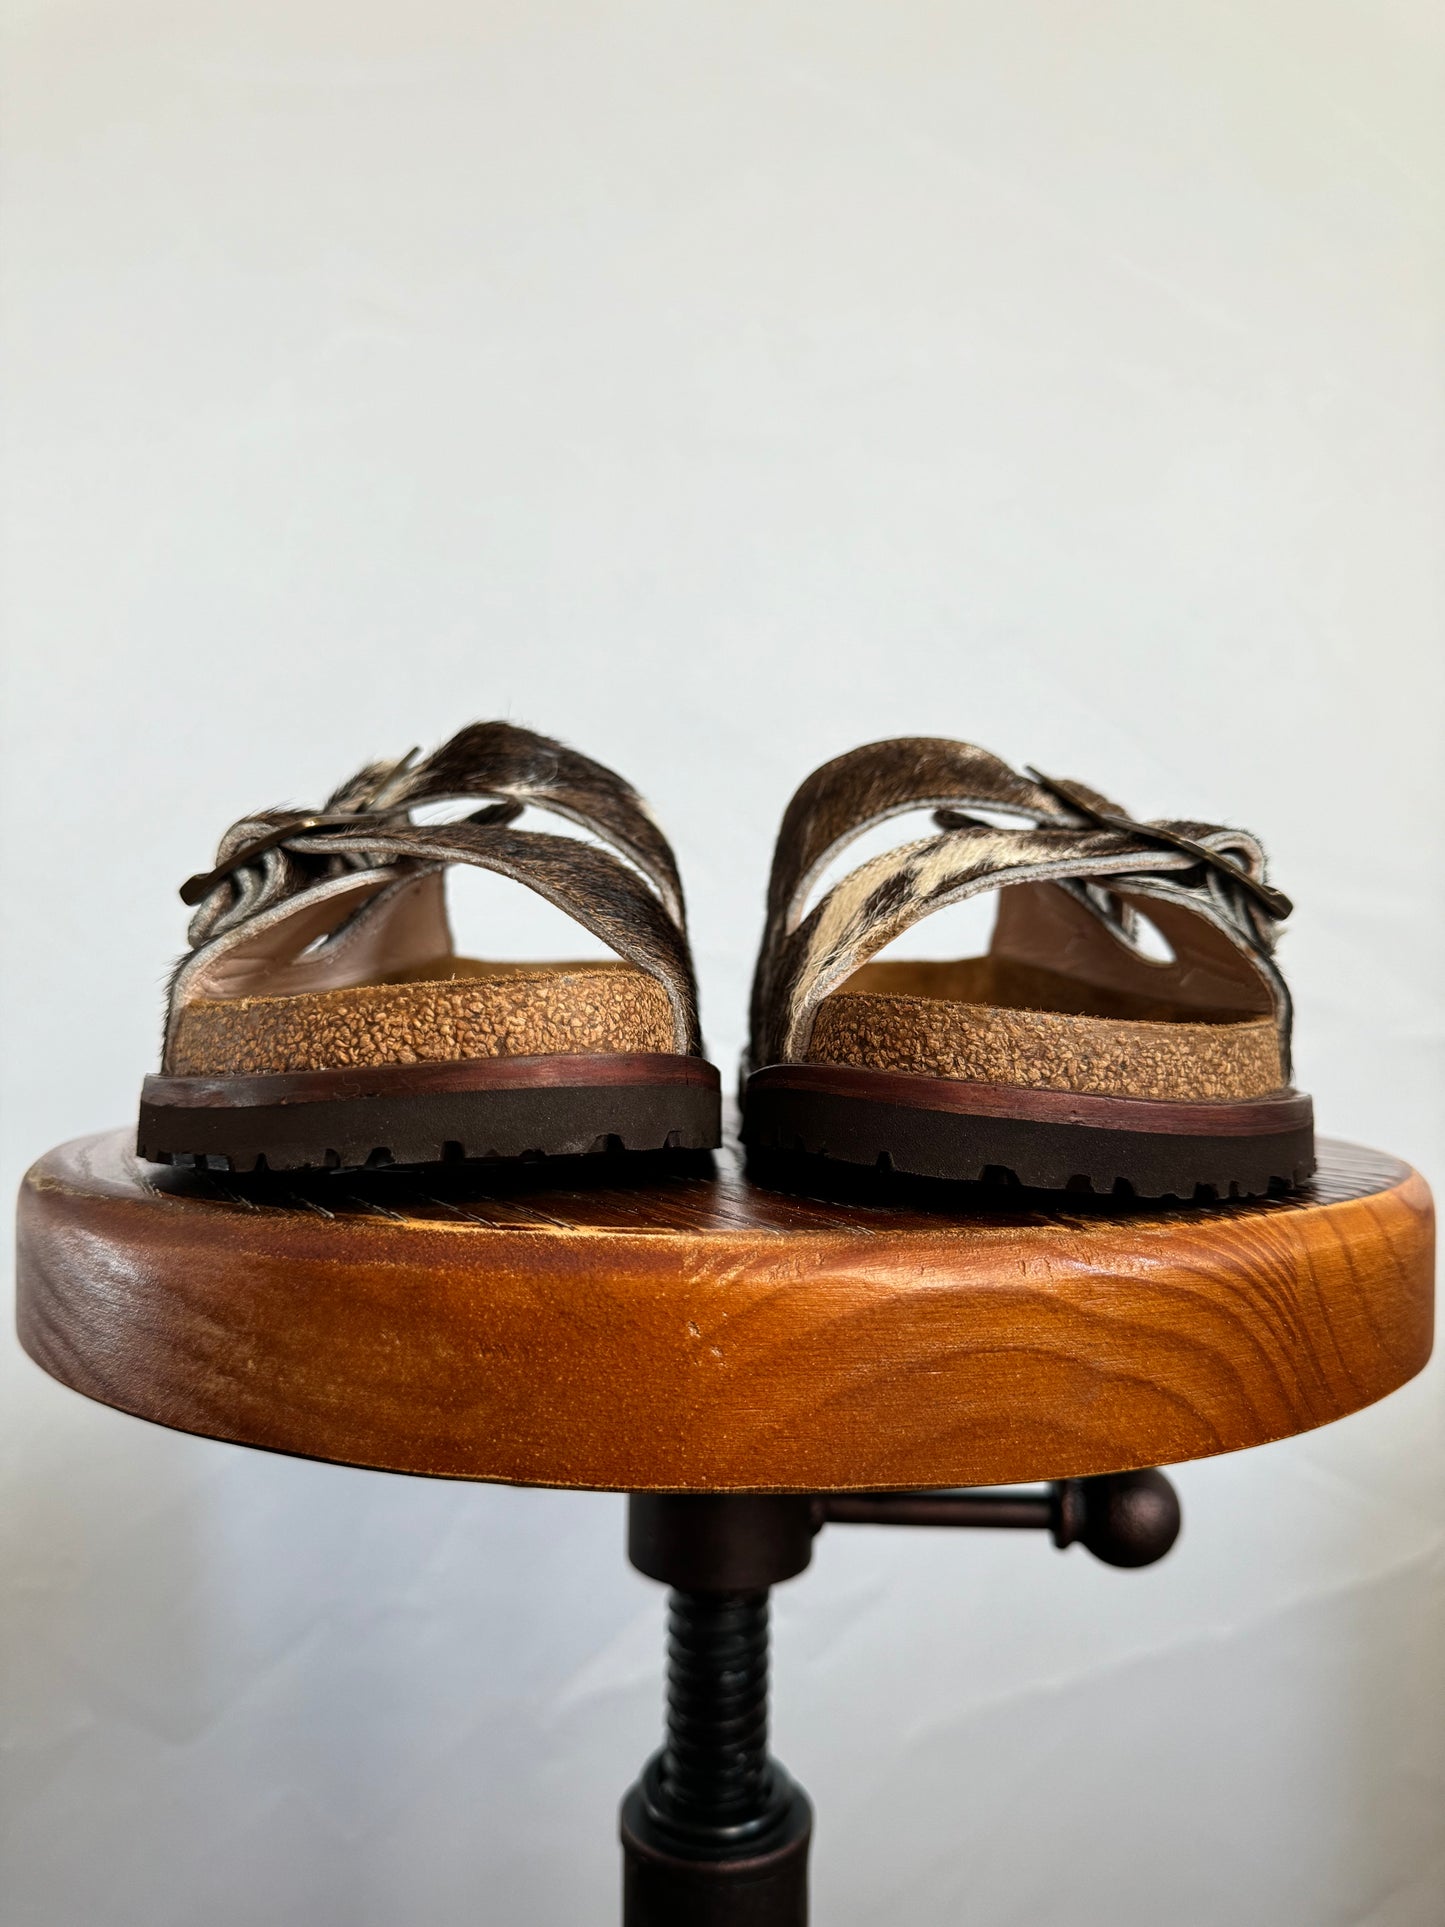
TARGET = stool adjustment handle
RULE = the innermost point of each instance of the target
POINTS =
(1124, 1518)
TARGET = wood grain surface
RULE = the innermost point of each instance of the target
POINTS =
(680, 1329)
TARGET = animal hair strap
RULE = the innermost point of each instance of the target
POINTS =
(1275, 902)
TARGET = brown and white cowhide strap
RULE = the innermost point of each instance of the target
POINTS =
(1071, 838)
(285, 880)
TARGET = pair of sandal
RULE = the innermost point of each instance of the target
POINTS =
(322, 1017)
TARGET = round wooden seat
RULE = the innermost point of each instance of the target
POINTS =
(679, 1329)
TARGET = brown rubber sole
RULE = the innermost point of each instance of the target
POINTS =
(935, 1127)
(482, 1108)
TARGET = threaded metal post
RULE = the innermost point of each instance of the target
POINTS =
(714, 1774)
(714, 1833)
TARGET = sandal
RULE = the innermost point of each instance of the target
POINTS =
(322, 1018)
(1067, 1058)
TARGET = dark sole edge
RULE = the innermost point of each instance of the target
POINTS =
(781, 1120)
(497, 1122)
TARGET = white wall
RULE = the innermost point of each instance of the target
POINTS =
(719, 385)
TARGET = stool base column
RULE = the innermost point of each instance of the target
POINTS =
(766, 1887)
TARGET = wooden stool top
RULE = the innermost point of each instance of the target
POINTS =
(683, 1330)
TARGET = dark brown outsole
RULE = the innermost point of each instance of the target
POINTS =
(931, 1127)
(485, 1109)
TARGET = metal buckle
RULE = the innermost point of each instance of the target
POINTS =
(1275, 902)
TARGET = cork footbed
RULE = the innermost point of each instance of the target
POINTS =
(455, 1008)
(991, 1020)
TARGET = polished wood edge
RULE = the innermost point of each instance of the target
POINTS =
(582, 1071)
(1407, 1201)
(424, 1369)
(915, 1090)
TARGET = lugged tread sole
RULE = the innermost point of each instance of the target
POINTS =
(487, 1111)
(971, 1133)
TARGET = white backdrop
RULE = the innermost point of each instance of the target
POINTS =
(718, 385)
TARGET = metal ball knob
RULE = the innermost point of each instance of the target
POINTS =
(1124, 1518)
